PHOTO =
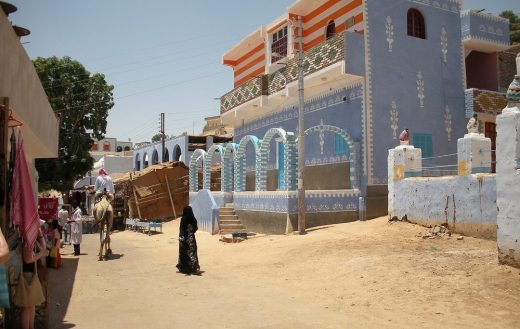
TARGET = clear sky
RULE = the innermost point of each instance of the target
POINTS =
(161, 55)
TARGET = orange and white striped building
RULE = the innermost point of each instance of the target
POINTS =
(256, 54)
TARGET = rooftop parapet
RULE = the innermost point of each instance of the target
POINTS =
(484, 32)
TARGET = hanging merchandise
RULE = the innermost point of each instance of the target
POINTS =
(24, 213)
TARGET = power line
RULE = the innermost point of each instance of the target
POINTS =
(146, 91)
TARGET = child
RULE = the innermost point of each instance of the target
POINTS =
(54, 239)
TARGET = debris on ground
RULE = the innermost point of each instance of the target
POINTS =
(397, 219)
(437, 232)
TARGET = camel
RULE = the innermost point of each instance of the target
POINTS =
(104, 214)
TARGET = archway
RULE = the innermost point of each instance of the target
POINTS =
(240, 162)
(145, 160)
(166, 156)
(176, 153)
(194, 168)
(287, 163)
(228, 167)
(155, 157)
(350, 143)
(207, 164)
(137, 164)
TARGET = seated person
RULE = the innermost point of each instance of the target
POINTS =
(104, 185)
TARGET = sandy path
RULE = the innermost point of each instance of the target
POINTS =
(358, 275)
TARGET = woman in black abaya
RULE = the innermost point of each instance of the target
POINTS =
(188, 259)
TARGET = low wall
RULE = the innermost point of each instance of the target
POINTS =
(276, 223)
(275, 212)
(468, 204)
(205, 210)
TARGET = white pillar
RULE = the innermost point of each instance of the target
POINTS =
(473, 154)
(403, 161)
(508, 176)
(508, 186)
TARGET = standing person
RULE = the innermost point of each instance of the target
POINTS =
(63, 218)
(104, 184)
(54, 240)
(76, 227)
(30, 259)
(188, 260)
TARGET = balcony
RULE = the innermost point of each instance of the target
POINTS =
(484, 32)
(247, 91)
(484, 101)
(316, 59)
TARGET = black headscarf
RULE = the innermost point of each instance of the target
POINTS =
(188, 218)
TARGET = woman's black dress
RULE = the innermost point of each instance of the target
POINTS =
(188, 260)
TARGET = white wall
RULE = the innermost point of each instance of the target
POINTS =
(114, 164)
(508, 186)
(467, 203)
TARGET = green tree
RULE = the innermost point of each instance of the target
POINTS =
(81, 102)
(158, 137)
(514, 25)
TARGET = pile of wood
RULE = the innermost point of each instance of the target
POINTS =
(158, 192)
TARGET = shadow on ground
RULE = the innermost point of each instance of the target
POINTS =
(61, 282)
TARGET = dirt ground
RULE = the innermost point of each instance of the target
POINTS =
(372, 274)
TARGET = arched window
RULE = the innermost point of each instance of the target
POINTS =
(416, 27)
(331, 30)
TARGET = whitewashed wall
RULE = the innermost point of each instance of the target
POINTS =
(467, 203)
(508, 186)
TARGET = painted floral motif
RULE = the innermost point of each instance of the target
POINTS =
(420, 88)
(444, 44)
(394, 118)
(322, 136)
(389, 33)
(447, 121)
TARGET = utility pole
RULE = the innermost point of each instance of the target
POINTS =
(301, 130)
(162, 137)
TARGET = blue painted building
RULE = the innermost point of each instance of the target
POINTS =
(371, 68)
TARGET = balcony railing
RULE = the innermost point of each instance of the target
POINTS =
(322, 55)
(247, 91)
(484, 101)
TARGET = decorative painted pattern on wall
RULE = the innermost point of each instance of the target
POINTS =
(236, 154)
(444, 44)
(352, 93)
(286, 201)
(447, 121)
(288, 175)
(343, 134)
(420, 89)
(228, 166)
(247, 91)
(193, 167)
(394, 119)
(240, 162)
(208, 159)
(389, 33)
(445, 5)
(484, 27)
(484, 101)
